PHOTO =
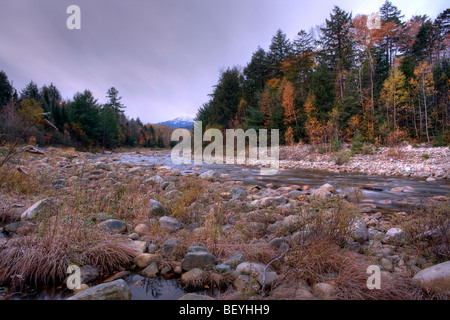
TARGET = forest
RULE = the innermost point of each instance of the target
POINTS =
(40, 116)
(381, 79)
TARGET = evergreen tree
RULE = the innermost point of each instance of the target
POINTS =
(280, 49)
(84, 113)
(31, 91)
(114, 100)
(6, 89)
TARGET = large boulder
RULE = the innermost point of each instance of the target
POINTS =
(436, 278)
(115, 290)
(39, 209)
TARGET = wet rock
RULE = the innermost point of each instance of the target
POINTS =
(39, 209)
(431, 179)
(435, 278)
(151, 271)
(171, 224)
(115, 290)
(198, 259)
(195, 296)
(324, 291)
(114, 225)
(156, 208)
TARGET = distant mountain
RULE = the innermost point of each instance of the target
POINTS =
(180, 122)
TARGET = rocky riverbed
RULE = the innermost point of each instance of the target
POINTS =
(206, 229)
(423, 162)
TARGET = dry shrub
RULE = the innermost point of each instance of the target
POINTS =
(13, 181)
(180, 205)
(44, 253)
(428, 232)
(310, 263)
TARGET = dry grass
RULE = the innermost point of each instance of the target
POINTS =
(311, 263)
(428, 232)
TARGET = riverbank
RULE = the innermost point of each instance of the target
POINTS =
(118, 213)
(407, 161)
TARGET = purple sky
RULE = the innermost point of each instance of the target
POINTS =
(163, 56)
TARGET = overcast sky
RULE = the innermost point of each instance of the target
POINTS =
(164, 56)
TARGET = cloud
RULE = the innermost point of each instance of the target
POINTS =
(163, 56)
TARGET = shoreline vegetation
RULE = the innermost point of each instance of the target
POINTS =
(206, 229)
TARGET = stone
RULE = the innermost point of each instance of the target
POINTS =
(14, 227)
(239, 193)
(141, 229)
(431, 179)
(324, 291)
(156, 208)
(209, 175)
(294, 194)
(155, 179)
(257, 271)
(169, 245)
(115, 290)
(386, 264)
(223, 268)
(38, 209)
(193, 276)
(151, 271)
(196, 249)
(328, 187)
(359, 231)
(435, 278)
(145, 259)
(234, 259)
(394, 236)
(198, 259)
(246, 284)
(113, 225)
(89, 273)
(133, 236)
(195, 296)
(83, 287)
(151, 248)
(171, 224)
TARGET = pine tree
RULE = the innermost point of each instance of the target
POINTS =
(280, 49)
(6, 89)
